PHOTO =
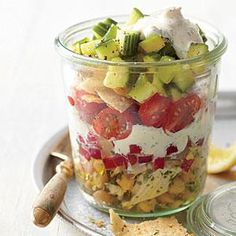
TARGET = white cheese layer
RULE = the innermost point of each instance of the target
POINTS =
(172, 25)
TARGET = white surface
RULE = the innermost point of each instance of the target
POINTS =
(32, 103)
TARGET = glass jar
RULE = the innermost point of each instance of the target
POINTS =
(143, 153)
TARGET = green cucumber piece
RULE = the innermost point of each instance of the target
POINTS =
(110, 34)
(167, 73)
(175, 93)
(197, 49)
(152, 44)
(109, 22)
(107, 50)
(155, 57)
(128, 42)
(135, 15)
(168, 50)
(117, 76)
(184, 79)
(143, 89)
(76, 46)
(100, 29)
(167, 58)
(203, 35)
(152, 58)
(135, 58)
(158, 84)
(88, 49)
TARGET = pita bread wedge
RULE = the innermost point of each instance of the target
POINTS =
(90, 85)
(168, 226)
(91, 98)
(114, 100)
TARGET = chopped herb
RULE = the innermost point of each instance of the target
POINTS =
(157, 232)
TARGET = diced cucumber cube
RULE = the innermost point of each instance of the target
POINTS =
(128, 42)
(197, 49)
(158, 85)
(107, 50)
(88, 49)
(184, 79)
(135, 15)
(143, 89)
(77, 44)
(110, 34)
(175, 93)
(152, 44)
(117, 76)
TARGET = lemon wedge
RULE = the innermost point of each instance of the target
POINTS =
(221, 159)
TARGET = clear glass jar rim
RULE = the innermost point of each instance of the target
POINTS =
(201, 211)
(64, 51)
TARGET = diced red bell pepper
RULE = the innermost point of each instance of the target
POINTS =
(91, 138)
(132, 159)
(159, 163)
(84, 153)
(115, 161)
(71, 100)
(171, 149)
(95, 153)
(135, 148)
(81, 139)
(186, 164)
(145, 159)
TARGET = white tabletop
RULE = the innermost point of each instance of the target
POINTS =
(32, 103)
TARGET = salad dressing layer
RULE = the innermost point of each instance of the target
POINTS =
(172, 25)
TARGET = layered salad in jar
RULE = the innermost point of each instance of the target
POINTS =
(140, 134)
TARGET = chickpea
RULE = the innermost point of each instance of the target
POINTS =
(165, 198)
(100, 180)
(126, 182)
(88, 185)
(102, 197)
(147, 206)
(176, 204)
(99, 166)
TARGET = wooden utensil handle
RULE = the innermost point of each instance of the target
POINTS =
(49, 200)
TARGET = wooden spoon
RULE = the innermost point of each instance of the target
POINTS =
(49, 200)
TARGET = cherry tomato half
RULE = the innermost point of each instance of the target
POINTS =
(110, 123)
(154, 111)
(87, 110)
(181, 112)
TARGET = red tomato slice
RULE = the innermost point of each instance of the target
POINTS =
(181, 112)
(133, 112)
(154, 111)
(87, 110)
(110, 123)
